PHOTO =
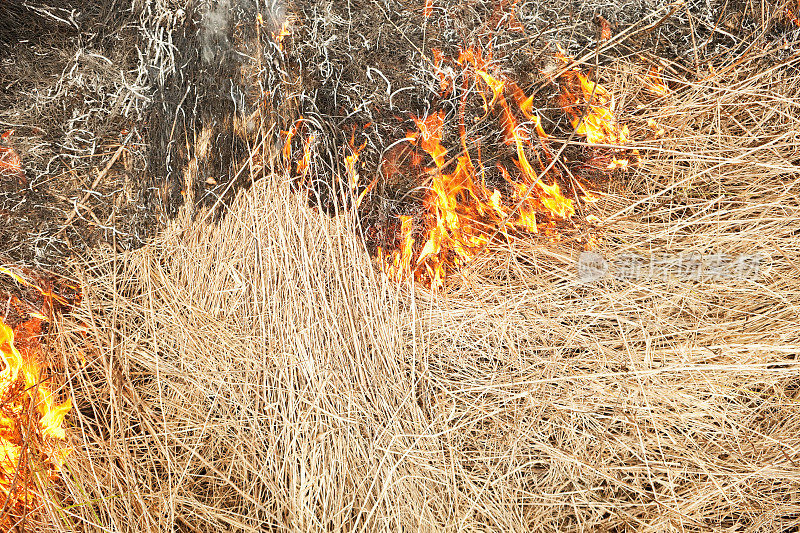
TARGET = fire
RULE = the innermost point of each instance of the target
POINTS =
(22, 280)
(793, 15)
(302, 167)
(469, 203)
(463, 213)
(605, 28)
(654, 83)
(31, 420)
(351, 161)
(32, 434)
(10, 161)
(282, 33)
(591, 107)
(427, 11)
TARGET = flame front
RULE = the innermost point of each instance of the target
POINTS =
(31, 420)
(470, 203)
(463, 214)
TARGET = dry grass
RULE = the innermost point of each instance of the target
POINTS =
(261, 375)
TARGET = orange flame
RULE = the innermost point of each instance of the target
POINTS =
(605, 28)
(19, 278)
(428, 9)
(445, 77)
(303, 165)
(282, 33)
(430, 132)
(466, 203)
(592, 109)
(30, 418)
(10, 161)
(462, 213)
(792, 16)
(654, 83)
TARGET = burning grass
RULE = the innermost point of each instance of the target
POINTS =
(263, 374)
(32, 433)
(406, 344)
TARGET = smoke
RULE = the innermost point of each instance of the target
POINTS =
(219, 18)
(214, 29)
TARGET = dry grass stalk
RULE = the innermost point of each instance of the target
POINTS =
(260, 375)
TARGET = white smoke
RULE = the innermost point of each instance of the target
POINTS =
(214, 33)
(219, 16)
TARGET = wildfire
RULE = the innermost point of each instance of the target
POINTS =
(302, 167)
(22, 280)
(32, 434)
(31, 421)
(605, 28)
(463, 212)
(504, 14)
(427, 11)
(469, 202)
(351, 161)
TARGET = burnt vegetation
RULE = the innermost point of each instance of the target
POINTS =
(126, 111)
(221, 175)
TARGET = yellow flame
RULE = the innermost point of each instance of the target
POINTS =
(592, 109)
(281, 35)
(23, 371)
(21, 280)
(461, 214)
(350, 162)
(654, 83)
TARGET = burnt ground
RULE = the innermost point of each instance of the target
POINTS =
(108, 100)
(65, 95)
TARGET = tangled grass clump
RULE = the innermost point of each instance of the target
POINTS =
(262, 374)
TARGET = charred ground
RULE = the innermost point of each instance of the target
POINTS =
(108, 99)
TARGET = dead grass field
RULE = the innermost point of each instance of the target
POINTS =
(262, 375)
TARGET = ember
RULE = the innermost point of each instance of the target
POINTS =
(10, 161)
